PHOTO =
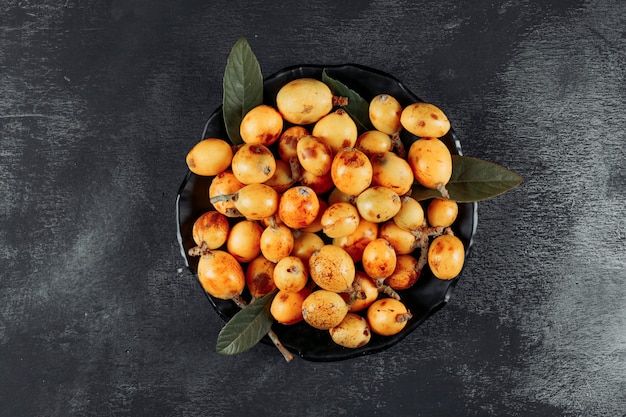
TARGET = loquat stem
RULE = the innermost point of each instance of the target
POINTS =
(442, 189)
(296, 171)
(401, 318)
(421, 262)
(430, 231)
(239, 301)
(340, 101)
(273, 222)
(434, 231)
(396, 143)
(386, 289)
(232, 212)
(423, 234)
(222, 198)
(200, 250)
(355, 293)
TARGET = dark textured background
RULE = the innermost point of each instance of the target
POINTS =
(100, 102)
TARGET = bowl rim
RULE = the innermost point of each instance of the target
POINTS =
(388, 342)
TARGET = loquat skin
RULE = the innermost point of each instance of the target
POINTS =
(211, 229)
(378, 204)
(276, 242)
(405, 275)
(288, 141)
(282, 179)
(402, 241)
(332, 268)
(340, 219)
(324, 309)
(316, 226)
(355, 242)
(391, 171)
(304, 101)
(225, 183)
(385, 112)
(270, 221)
(220, 274)
(363, 292)
(352, 332)
(425, 120)
(259, 276)
(298, 207)
(244, 240)
(286, 307)
(442, 212)
(320, 184)
(305, 244)
(351, 171)
(387, 316)
(337, 130)
(431, 162)
(446, 256)
(379, 259)
(338, 196)
(253, 164)
(410, 217)
(290, 274)
(256, 201)
(209, 157)
(372, 142)
(314, 155)
(262, 125)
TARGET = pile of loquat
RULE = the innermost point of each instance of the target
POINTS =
(308, 207)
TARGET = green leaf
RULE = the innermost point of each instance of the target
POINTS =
(246, 328)
(243, 87)
(357, 107)
(473, 180)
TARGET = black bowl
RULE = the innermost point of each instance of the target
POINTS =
(428, 295)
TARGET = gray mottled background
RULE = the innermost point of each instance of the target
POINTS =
(100, 102)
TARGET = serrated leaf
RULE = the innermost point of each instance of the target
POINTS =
(357, 107)
(243, 87)
(246, 328)
(472, 180)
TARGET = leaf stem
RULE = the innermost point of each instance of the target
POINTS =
(282, 349)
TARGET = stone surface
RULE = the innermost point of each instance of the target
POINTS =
(99, 104)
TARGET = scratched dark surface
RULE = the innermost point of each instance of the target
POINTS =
(100, 102)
